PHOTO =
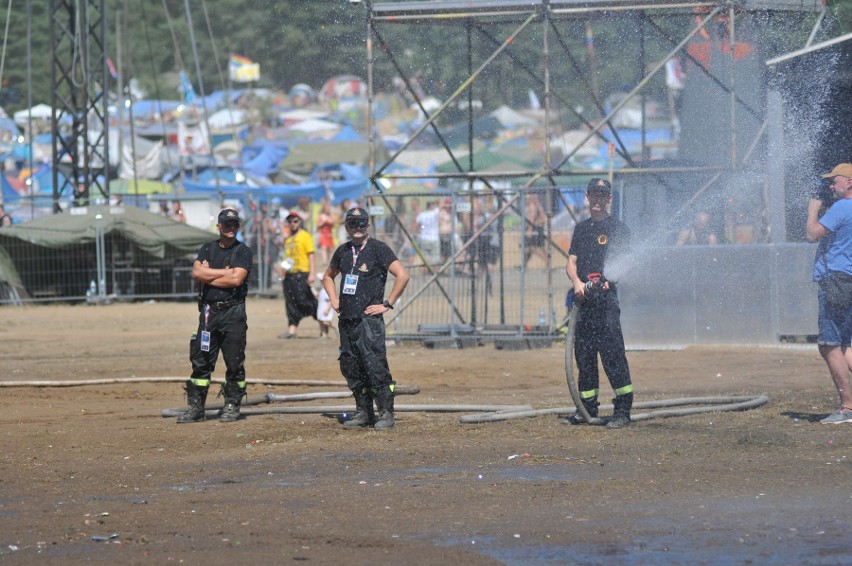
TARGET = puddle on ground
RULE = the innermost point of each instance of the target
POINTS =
(673, 549)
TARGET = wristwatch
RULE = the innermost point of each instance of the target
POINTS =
(387, 304)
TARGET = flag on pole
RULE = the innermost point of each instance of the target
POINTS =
(111, 67)
(590, 40)
(186, 88)
(242, 69)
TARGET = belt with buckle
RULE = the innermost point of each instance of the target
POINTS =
(223, 305)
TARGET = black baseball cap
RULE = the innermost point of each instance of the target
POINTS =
(229, 215)
(598, 184)
(357, 213)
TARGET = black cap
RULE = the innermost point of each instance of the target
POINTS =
(229, 215)
(358, 213)
(598, 184)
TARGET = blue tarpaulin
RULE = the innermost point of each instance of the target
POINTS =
(145, 107)
(9, 192)
(267, 159)
(289, 194)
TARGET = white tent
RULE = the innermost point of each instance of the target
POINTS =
(292, 116)
(510, 119)
(39, 112)
(314, 126)
(226, 118)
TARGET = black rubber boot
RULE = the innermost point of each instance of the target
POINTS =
(384, 403)
(364, 415)
(233, 394)
(621, 414)
(196, 397)
(591, 406)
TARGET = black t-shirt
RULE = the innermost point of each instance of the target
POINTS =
(238, 255)
(372, 272)
(594, 242)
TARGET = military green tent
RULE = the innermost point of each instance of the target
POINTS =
(55, 255)
(305, 156)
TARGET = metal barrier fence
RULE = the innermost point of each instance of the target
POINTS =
(480, 268)
(488, 286)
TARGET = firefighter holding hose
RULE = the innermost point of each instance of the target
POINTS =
(595, 242)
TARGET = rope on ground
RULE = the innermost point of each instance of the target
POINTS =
(114, 380)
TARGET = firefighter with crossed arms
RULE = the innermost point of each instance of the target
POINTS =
(222, 268)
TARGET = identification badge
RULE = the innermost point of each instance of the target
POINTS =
(205, 341)
(350, 282)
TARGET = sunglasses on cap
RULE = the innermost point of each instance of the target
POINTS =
(357, 223)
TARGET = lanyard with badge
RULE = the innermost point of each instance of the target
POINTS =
(205, 334)
(350, 280)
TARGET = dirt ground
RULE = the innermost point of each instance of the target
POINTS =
(765, 486)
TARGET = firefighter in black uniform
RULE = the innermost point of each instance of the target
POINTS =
(222, 268)
(595, 242)
(365, 263)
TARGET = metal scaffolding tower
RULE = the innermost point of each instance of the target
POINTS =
(79, 84)
(499, 26)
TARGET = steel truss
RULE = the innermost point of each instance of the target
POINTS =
(476, 18)
(79, 84)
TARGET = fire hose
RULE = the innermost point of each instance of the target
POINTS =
(703, 404)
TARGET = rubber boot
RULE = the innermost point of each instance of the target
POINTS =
(384, 403)
(233, 394)
(621, 413)
(364, 415)
(196, 397)
(591, 405)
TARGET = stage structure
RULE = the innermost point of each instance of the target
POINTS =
(79, 84)
(721, 130)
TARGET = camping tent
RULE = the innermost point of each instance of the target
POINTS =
(55, 255)
(305, 156)
(38, 112)
(228, 118)
(343, 86)
(155, 235)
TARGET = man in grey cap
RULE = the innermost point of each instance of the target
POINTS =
(221, 268)
(598, 332)
(365, 263)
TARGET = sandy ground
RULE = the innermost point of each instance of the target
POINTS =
(765, 486)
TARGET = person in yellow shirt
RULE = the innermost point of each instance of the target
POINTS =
(297, 269)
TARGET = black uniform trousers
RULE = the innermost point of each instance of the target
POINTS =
(363, 354)
(227, 328)
(598, 332)
(298, 298)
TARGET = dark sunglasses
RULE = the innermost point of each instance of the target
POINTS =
(230, 224)
(357, 223)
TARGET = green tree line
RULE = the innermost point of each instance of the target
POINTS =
(309, 41)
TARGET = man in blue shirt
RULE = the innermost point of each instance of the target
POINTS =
(834, 232)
